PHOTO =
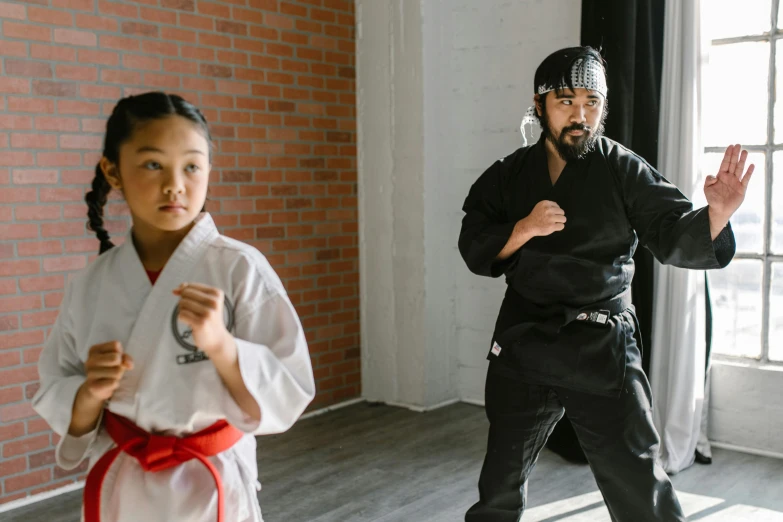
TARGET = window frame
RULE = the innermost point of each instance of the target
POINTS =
(767, 258)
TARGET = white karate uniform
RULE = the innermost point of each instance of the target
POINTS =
(172, 389)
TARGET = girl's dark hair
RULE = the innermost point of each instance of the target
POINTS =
(556, 68)
(127, 115)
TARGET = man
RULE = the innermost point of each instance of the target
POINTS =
(562, 219)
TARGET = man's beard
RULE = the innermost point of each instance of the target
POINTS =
(573, 147)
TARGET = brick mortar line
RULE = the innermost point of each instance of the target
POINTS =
(21, 349)
(22, 328)
(179, 57)
(18, 349)
(28, 491)
(48, 132)
(222, 198)
(227, 228)
(42, 293)
(90, 166)
(97, 11)
(329, 314)
(198, 31)
(208, 93)
(56, 308)
(70, 168)
(226, 213)
(178, 43)
(86, 186)
(22, 385)
(234, 155)
(211, 124)
(103, 101)
(88, 236)
(141, 53)
(297, 251)
(52, 466)
(232, 7)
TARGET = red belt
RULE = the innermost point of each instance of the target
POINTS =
(156, 453)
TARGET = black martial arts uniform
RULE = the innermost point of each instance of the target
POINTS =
(566, 334)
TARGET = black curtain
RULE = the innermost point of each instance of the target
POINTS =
(629, 34)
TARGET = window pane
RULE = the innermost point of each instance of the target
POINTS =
(735, 103)
(777, 203)
(776, 313)
(736, 308)
(724, 19)
(748, 221)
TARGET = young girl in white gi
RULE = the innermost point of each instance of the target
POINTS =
(172, 350)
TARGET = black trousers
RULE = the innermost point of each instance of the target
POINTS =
(616, 434)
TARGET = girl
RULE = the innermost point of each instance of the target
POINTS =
(171, 351)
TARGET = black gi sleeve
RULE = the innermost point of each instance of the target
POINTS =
(665, 219)
(485, 226)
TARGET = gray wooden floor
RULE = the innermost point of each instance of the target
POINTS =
(384, 464)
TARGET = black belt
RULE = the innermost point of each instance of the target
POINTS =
(599, 313)
(560, 316)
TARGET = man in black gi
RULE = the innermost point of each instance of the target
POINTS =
(561, 220)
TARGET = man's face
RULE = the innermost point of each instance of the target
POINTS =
(572, 120)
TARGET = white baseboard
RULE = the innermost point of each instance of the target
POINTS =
(333, 407)
(474, 402)
(742, 449)
(421, 409)
(26, 501)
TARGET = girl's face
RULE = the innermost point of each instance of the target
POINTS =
(163, 173)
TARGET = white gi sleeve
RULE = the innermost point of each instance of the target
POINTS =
(61, 372)
(273, 357)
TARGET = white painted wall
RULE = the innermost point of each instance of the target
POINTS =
(391, 199)
(746, 407)
(488, 56)
(442, 86)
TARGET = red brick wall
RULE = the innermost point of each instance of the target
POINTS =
(275, 78)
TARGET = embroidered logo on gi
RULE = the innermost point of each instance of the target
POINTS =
(183, 334)
(496, 349)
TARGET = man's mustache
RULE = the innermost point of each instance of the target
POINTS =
(577, 127)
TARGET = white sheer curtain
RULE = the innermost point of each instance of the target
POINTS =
(678, 341)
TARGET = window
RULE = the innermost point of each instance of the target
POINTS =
(739, 106)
